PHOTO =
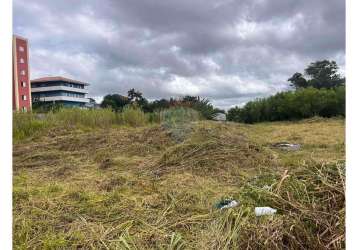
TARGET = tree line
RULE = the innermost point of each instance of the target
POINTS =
(134, 97)
(320, 91)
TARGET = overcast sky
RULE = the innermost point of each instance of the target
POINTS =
(229, 51)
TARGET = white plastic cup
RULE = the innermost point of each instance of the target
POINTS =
(259, 211)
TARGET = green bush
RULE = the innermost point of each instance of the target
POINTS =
(177, 121)
(205, 108)
(292, 105)
(179, 115)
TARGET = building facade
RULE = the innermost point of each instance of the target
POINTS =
(59, 90)
(21, 87)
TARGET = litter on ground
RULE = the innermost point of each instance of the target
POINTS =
(227, 203)
(259, 211)
(287, 146)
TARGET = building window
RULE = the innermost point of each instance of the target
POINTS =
(23, 84)
(22, 60)
(23, 72)
(24, 97)
(21, 49)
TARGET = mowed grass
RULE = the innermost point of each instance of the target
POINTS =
(141, 188)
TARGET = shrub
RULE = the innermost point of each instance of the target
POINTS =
(179, 115)
(177, 122)
(202, 105)
(292, 105)
(205, 108)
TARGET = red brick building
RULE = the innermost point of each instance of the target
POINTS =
(21, 75)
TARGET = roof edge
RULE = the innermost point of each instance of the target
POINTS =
(20, 37)
(58, 78)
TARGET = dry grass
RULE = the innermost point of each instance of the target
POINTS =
(219, 151)
(137, 188)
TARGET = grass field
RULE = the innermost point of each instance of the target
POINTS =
(152, 187)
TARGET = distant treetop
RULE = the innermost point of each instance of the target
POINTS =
(319, 74)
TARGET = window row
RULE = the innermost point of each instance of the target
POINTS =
(39, 85)
(73, 94)
(78, 86)
(50, 94)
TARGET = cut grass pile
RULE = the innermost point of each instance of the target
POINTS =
(221, 151)
(139, 188)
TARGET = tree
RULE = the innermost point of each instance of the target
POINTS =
(298, 81)
(323, 74)
(203, 106)
(160, 104)
(320, 74)
(134, 96)
(115, 101)
(191, 99)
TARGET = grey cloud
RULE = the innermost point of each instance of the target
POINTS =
(229, 51)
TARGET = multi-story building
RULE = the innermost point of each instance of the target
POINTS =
(21, 87)
(61, 90)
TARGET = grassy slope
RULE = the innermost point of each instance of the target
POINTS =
(136, 187)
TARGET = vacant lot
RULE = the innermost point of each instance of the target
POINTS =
(153, 187)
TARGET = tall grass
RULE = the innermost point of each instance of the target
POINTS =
(32, 124)
(94, 118)
(26, 124)
(133, 116)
